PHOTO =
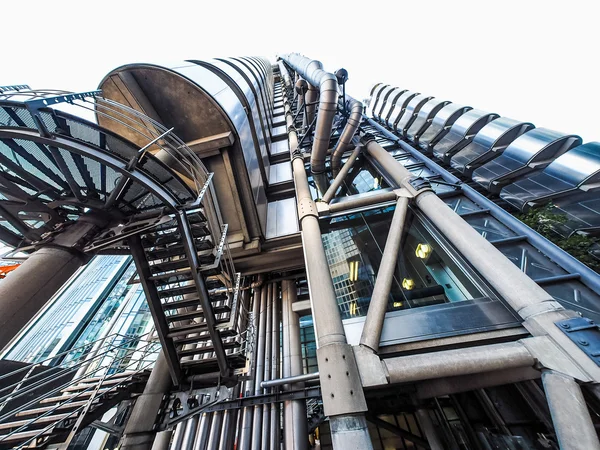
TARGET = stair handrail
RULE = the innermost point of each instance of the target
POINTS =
(66, 369)
(4, 437)
(59, 388)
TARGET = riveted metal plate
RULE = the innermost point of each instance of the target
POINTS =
(585, 333)
(340, 381)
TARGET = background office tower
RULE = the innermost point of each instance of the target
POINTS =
(235, 253)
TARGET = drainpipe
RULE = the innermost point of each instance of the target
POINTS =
(356, 111)
(343, 397)
(312, 95)
(312, 71)
(274, 436)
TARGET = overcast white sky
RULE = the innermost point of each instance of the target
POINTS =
(530, 60)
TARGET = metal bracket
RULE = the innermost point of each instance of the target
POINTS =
(419, 184)
(585, 334)
(33, 106)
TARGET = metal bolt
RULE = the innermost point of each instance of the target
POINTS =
(583, 342)
(565, 325)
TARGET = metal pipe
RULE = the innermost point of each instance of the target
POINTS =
(312, 71)
(350, 430)
(215, 431)
(226, 428)
(570, 416)
(285, 74)
(178, 435)
(356, 110)
(371, 333)
(464, 361)
(290, 380)
(258, 378)
(266, 415)
(341, 176)
(362, 200)
(275, 329)
(202, 432)
(294, 411)
(189, 435)
(312, 94)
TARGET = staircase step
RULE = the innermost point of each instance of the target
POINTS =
(174, 250)
(180, 290)
(184, 330)
(24, 435)
(197, 313)
(43, 409)
(82, 386)
(110, 377)
(207, 349)
(167, 266)
(186, 303)
(40, 421)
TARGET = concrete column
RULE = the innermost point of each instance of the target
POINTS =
(138, 430)
(570, 416)
(295, 427)
(26, 290)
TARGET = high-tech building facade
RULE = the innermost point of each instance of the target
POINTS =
(236, 254)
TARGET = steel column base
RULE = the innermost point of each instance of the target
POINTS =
(350, 432)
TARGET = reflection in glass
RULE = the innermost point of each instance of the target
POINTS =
(426, 272)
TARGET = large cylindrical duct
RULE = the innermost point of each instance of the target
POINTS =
(312, 71)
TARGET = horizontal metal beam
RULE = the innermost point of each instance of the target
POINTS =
(290, 380)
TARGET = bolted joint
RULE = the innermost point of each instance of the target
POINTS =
(366, 138)
(306, 207)
(341, 385)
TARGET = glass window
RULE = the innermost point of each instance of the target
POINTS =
(427, 272)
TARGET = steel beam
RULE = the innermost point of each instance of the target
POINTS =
(371, 333)
(341, 176)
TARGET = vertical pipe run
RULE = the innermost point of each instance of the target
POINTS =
(245, 437)
(215, 431)
(371, 333)
(189, 434)
(356, 109)
(202, 432)
(352, 431)
(226, 429)
(260, 367)
(274, 436)
(295, 426)
(266, 419)
(570, 416)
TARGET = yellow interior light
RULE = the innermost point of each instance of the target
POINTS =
(353, 275)
(423, 251)
(408, 284)
(397, 304)
(353, 308)
(375, 183)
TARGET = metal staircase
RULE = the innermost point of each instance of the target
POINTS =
(48, 402)
(60, 169)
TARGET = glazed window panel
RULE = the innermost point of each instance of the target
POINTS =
(426, 273)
